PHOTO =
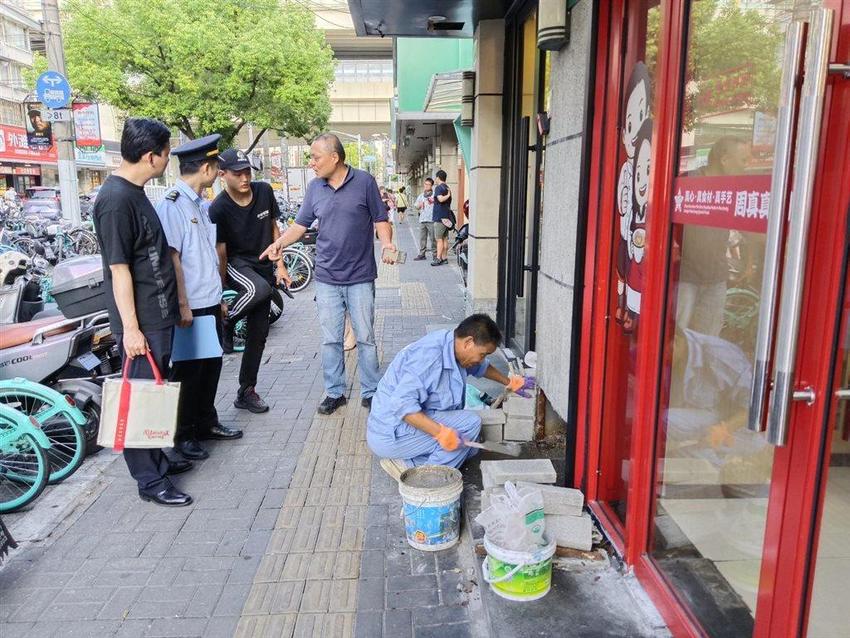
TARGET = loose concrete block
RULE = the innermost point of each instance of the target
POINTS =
(564, 501)
(519, 406)
(570, 531)
(493, 432)
(519, 429)
(488, 494)
(492, 417)
(529, 470)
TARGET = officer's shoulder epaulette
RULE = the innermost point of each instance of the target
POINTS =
(172, 195)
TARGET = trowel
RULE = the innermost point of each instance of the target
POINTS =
(510, 449)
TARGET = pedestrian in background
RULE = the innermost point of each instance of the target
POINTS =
(443, 218)
(140, 284)
(245, 214)
(401, 203)
(425, 206)
(348, 205)
(191, 237)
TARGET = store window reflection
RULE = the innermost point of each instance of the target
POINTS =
(713, 473)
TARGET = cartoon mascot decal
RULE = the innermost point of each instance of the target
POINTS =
(632, 196)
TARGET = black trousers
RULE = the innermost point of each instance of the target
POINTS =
(148, 467)
(252, 303)
(198, 386)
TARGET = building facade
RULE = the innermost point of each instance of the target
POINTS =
(659, 208)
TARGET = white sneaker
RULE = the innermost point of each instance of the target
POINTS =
(394, 467)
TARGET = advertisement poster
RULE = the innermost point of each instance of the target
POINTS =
(88, 147)
(87, 126)
(736, 202)
(39, 130)
(14, 146)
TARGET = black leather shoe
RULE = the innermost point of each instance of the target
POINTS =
(248, 399)
(170, 496)
(221, 433)
(330, 404)
(191, 450)
(178, 467)
(366, 403)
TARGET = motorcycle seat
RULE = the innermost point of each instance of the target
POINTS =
(17, 334)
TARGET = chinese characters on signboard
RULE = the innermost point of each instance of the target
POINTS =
(88, 148)
(14, 146)
(739, 202)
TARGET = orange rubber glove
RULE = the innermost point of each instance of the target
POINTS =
(719, 435)
(515, 382)
(448, 439)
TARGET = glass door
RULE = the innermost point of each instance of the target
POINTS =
(752, 117)
(641, 33)
(528, 80)
(828, 615)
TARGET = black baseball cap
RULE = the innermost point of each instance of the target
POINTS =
(234, 160)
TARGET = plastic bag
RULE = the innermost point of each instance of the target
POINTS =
(515, 520)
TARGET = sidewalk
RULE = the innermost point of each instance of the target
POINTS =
(294, 530)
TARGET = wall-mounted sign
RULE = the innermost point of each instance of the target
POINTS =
(15, 147)
(736, 202)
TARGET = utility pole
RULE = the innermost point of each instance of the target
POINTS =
(63, 131)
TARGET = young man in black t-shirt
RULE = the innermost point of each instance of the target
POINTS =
(442, 218)
(245, 214)
(140, 284)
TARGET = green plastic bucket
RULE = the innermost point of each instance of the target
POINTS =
(516, 575)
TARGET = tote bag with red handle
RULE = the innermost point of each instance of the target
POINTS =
(138, 413)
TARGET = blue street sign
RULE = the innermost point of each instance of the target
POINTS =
(53, 90)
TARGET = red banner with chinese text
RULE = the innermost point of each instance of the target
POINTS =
(736, 202)
(14, 147)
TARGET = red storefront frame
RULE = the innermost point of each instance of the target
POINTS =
(797, 491)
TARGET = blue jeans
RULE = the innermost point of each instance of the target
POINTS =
(359, 301)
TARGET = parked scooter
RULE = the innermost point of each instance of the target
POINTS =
(460, 249)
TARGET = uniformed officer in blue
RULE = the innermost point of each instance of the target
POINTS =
(192, 238)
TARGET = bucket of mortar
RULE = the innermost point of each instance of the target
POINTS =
(518, 575)
(431, 495)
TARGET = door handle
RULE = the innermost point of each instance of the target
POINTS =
(841, 69)
(800, 207)
(843, 394)
(776, 220)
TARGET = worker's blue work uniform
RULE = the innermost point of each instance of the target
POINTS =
(424, 377)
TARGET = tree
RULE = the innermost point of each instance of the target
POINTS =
(370, 150)
(733, 58)
(203, 67)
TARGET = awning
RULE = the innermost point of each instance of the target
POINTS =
(464, 140)
(414, 134)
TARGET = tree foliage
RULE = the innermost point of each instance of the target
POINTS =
(202, 67)
(733, 58)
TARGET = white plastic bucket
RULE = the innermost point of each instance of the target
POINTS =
(520, 576)
(431, 510)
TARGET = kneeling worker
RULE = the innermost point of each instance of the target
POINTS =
(417, 415)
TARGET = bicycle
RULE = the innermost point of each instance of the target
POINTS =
(24, 468)
(57, 417)
(240, 330)
(300, 268)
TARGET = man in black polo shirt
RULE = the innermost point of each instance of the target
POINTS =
(245, 214)
(141, 289)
